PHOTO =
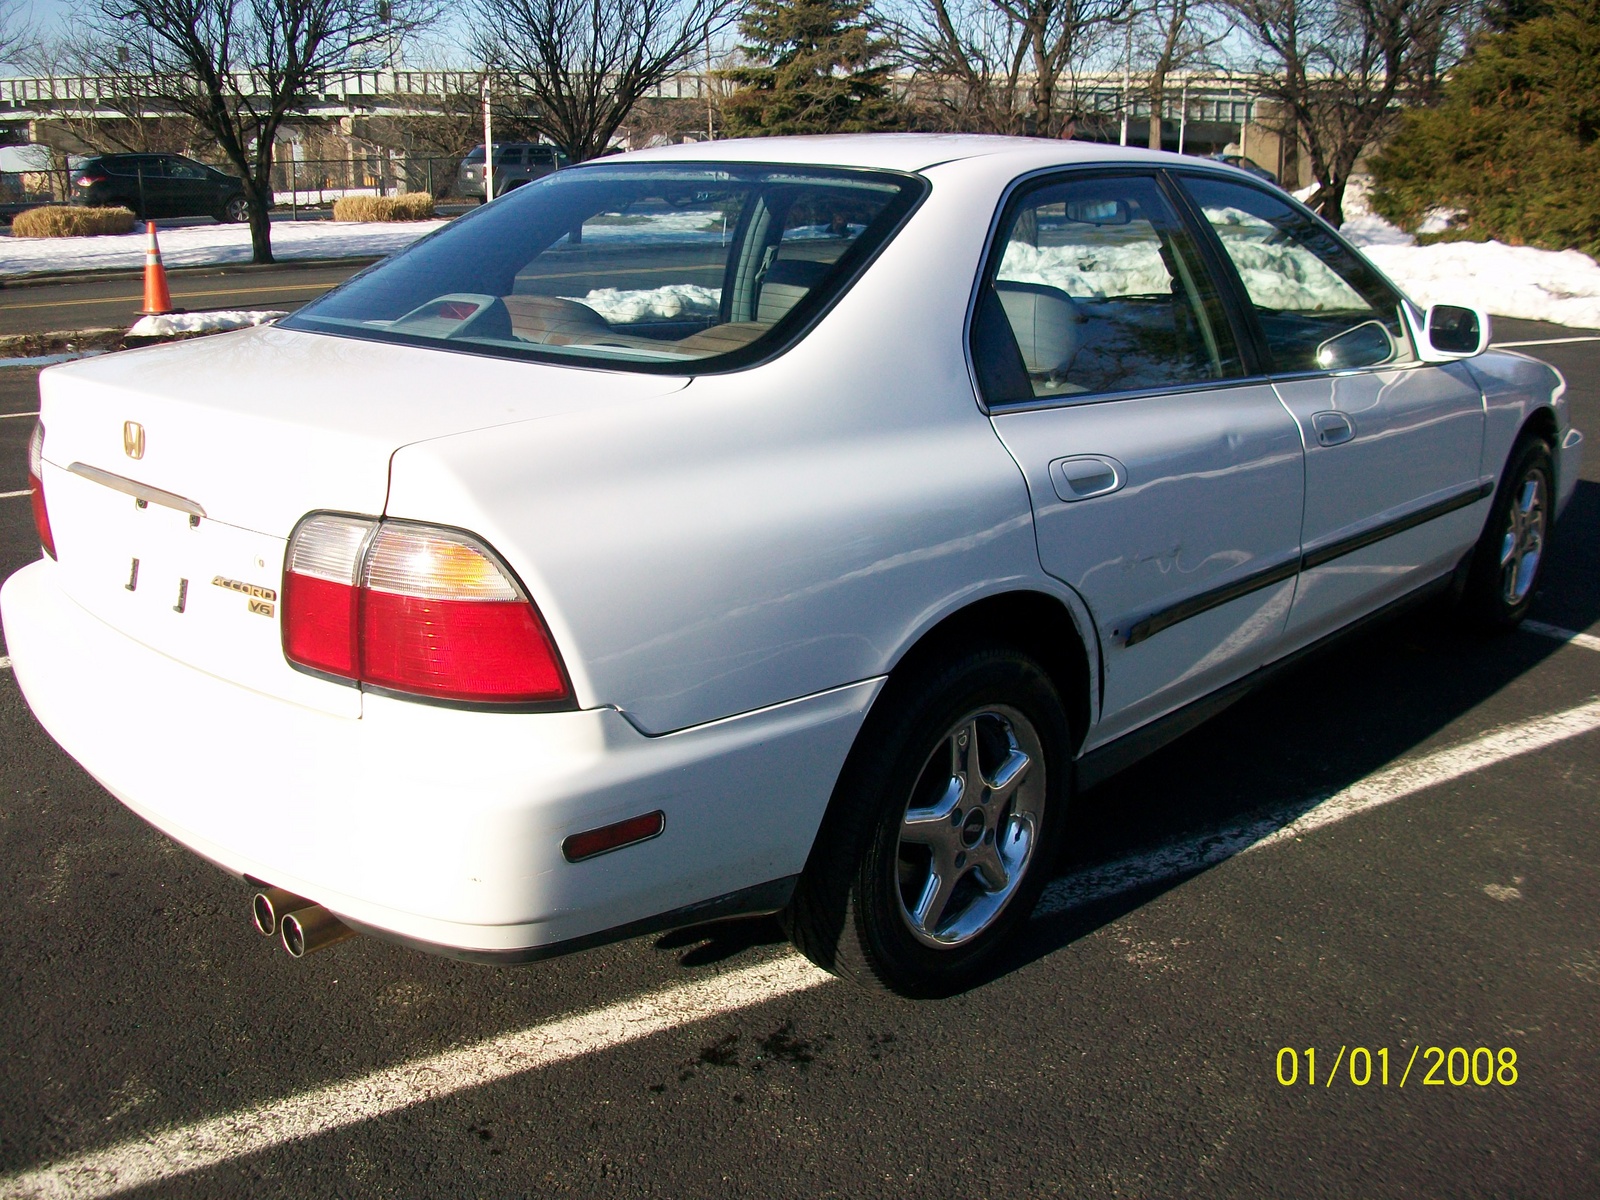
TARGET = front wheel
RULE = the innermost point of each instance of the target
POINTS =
(236, 210)
(943, 828)
(1505, 564)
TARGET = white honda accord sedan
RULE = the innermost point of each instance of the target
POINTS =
(777, 526)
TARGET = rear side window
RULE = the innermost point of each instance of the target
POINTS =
(1095, 287)
(1320, 306)
(134, 164)
(661, 268)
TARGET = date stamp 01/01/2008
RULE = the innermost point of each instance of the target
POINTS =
(1439, 1066)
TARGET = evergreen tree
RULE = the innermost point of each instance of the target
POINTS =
(1514, 146)
(814, 66)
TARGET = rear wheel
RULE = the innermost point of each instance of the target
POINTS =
(1505, 565)
(236, 210)
(943, 827)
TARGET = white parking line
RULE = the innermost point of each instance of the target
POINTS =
(1587, 640)
(144, 1160)
(1286, 824)
(8, 416)
(5, 664)
(14, 495)
(1542, 342)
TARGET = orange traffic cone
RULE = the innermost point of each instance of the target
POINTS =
(157, 300)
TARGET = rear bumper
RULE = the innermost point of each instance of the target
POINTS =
(434, 825)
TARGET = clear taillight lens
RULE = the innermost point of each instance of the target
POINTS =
(415, 609)
(41, 515)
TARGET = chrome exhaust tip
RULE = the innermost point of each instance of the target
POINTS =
(310, 929)
(269, 906)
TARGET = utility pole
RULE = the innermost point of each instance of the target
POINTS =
(488, 145)
(1183, 114)
(1127, 71)
(711, 112)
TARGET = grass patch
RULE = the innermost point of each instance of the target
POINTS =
(413, 206)
(61, 220)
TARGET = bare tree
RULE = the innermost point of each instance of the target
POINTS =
(1169, 36)
(1001, 66)
(16, 33)
(1336, 69)
(587, 63)
(239, 68)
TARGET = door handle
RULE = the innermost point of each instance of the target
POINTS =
(1086, 475)
(1332, 428)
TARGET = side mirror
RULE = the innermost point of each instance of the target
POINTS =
(1366, 345)
(1452, 331)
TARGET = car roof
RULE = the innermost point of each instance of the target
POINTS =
(906, 151)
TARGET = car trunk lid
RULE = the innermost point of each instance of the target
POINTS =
(175, 475)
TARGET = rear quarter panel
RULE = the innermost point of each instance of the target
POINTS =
(769, 533)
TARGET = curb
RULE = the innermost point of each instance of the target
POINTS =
(45, 278)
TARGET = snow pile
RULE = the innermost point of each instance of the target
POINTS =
(621, 305)
(690, 225)
(1101, 272)
(1510, 281)
(215, 321)
(205, 245)
(1562, 287)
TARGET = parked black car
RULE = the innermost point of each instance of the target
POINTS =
(160, 185)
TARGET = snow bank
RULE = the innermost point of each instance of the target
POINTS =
(1562, 287)
(619, 305)
(205, 245)
(1509, 281)
(215, 321)
(1099, 271)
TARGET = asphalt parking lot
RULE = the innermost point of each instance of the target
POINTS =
(1186, 1016)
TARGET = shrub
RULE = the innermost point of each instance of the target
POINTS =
(413, 206)
(59, 220)
(1514, 146)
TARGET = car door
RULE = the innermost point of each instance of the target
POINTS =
(143, 184)
(1165, 477)
(1392, 445)
(192, 191)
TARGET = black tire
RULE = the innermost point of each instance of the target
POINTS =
(235, 210)
(855, 909)
(1506, 562)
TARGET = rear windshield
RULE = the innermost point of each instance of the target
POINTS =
(672, 269)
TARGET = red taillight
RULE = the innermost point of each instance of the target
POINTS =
(415, 609)
(41, 515)
(90, 180)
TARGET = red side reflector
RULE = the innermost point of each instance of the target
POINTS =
(613, 837)
(41, 514)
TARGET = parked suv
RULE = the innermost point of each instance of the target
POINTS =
(515, 163)
(160, 185)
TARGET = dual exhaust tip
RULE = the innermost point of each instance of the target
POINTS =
(302, 925)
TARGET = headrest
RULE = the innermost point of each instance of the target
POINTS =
(1045, 322)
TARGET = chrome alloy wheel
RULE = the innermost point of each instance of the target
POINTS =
(1523, 542)
(970, 826)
